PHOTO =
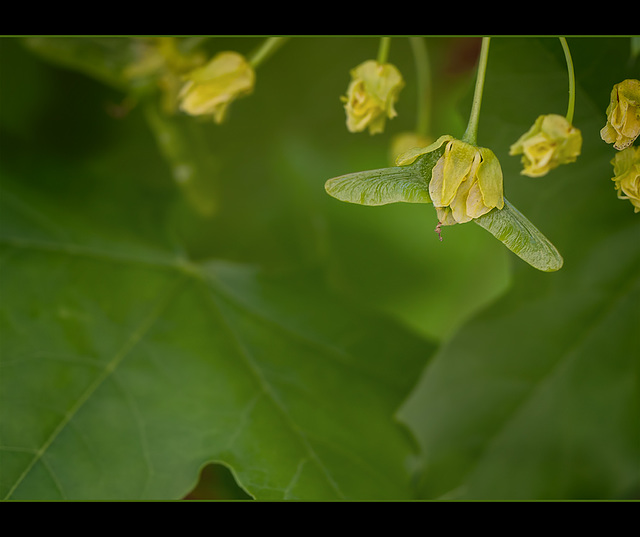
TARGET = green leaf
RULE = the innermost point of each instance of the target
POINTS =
(535, 398)
(140, 340)
(125, 369)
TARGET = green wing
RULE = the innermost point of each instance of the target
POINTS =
(410, 184)
(379, 187)
(510, 226)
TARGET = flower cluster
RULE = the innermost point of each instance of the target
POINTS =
(621, 130)
(188, 81)
(466, 181)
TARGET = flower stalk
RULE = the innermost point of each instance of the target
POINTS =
(266, 49)
(572, 80)
(383, 49)
(471, 134)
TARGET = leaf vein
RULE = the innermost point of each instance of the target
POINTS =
(134, 338)
(270, 392)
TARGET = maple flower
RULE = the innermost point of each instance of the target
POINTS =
(623, 115)
(466, 181)
(550, 142)
(371, 96)
(210, 89)
(626, 170)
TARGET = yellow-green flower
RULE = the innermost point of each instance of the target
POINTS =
(623, 115)
(466, 181)
(371, 96)
(210, 89)
(551, 141)
(626, 170)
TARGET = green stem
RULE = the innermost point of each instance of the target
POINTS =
(265, 50)
(471, 133)
(383, 50)
(572, 79)
(190, 160)
(423, 75)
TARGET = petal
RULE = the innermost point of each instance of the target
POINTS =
(435, 185)
(490, 179)
(556, 127)
(459, 202)
(631, 126)
(458, 159)
(476, 206)
(608, 133)
(411, 155)
(445, 217)
(518, 146)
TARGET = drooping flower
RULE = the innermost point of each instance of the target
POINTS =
(623, 115)
(466, 181)
(210, 89)
(626, 171)
(550, 142)
(371, 96)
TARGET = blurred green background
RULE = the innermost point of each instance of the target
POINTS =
(268, 164)
(530, 381)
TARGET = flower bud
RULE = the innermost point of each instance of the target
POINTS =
(210, 89)
(371, 96)
(626, 170)
(466, 183)
(623, 115)
(551, 141)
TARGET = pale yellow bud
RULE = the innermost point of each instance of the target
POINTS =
(550, 142)
(466, 183)
(626, 170)
(210, 89)
(623, 115)
(371, 96)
